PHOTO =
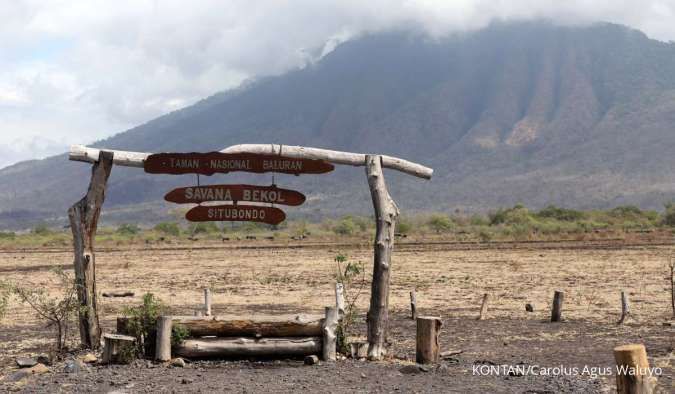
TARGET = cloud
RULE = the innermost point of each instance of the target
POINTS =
(78, 70)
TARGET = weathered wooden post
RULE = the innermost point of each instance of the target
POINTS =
(413, 304)
(329, 334)
(83, 222)
(386, 214)
(428, 331)
(163, 343)
(633, 373)
(340, 299)
(207, 302)
(556, 310)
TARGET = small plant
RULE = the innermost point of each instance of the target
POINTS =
(440, 223)
(178, 334)
(168, 228)
(346, 226)
(128, 230)
(143, 320)
(58, 311)
(353, 279)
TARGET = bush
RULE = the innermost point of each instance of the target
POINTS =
(516, 215)
(669, 215)
(143, 321)
(403, 226)
(346, 226)
(128, 230)
(563, 214)
(7, 235)
(204, 228)
(41, 229)
(440, 223)
(168, 228)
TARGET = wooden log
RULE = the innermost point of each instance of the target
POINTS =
(163, 344)
(625, 308)
(484, 307)
(253, 326)
(386, 214)
(248, 347)
(340, 299)
(117, 294)
(556, 310)
(329, 335)
(413, 304)
(428, 331)
(633, 374)
(207, 302)
(119, 349)
(136, 159)
(83, 217)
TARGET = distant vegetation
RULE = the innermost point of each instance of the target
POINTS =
(513, 223)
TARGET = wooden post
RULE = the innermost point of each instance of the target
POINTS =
(484, 307)
(207, 302)
(428, 331)
(633, 376)
(163, 344)
(625, 308)
(413, 304)
(329, 335)
(672, 285)
(556, 310)
(83, 222)
(386, 214)
(118, 349)
(340, 299)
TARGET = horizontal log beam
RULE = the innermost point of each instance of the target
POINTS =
(136, 159)
(255, 326)
(248, 347)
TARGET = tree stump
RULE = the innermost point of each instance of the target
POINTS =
(428, 331)
(386, 214)
(556, 310)
(329, 334)
(83, 217)
(633, 376)
(118, 349)
(163, 344)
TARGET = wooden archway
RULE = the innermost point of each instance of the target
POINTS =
(85, 213)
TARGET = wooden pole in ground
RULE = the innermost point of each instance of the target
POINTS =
(207, 302)
(413, 304)
(556, 310)
(83, 217)
(329, 334)
(672, 285)
(163, 344)
(386, 214)
(428, 331)
(633, 376)
(625, 308)
(484, 307)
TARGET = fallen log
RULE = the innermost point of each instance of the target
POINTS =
(254, 326)
(111, 294)
(248, 347)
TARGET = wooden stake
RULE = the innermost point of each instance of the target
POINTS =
(625, 309)
(672, 285)
(484, 307)
(413, 304)
(633, 376)
(163, 344)
(386, 214)
(556, 310)
(428, 331)
(329, 335)
(340, 299)
(207, 302)
(83, 217)
(118, 349)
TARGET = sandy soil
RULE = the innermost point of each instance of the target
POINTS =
(450, 279)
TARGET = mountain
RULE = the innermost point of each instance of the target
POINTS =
(521, 112)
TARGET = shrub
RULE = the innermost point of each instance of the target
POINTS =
(178, 334)
(345, 226)
(143, 320)
(403, 226)
(563, 214)
(516, 215)
(478, 220)
(41, 229)
(440, 223)
(204, 228)
(128, 230)
(669, 215)
(168, 228)
(352, 276)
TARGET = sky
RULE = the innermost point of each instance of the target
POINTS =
(73, 72)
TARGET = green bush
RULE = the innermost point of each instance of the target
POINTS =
(403, 226)
(168, 228)
(563, 214)
(178, 334)
(7, 235)
(516, 215)
(142, 322)
(669, 215)
(41, 229)
(440, 223)
(128, 230)
(345, 226)
(204, 228)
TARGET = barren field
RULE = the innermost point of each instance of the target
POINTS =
(450, 278)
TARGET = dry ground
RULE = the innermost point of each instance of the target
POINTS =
(450, 279)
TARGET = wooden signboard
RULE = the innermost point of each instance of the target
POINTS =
(247, 193)
(236, 213)
(217, 162)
